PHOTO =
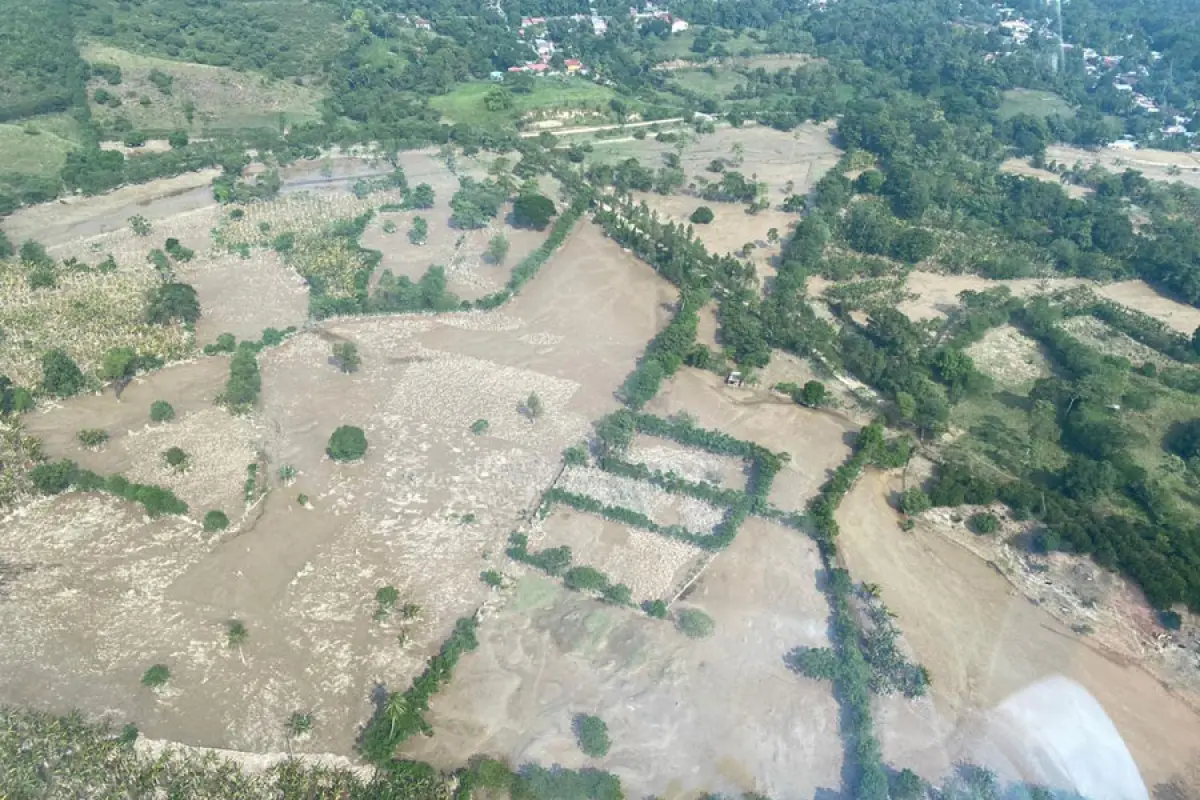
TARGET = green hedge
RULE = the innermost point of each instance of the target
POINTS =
(627, 516)
(402, 715)
(58, 476)
(556, 561)
(670, 482)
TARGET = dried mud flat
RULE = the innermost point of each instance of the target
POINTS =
(669, 701)
(111, 594)
(983, 641)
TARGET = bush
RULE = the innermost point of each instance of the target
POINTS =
(592, 734)
(53, 478)
(694, 623)
(161, 411)
(479, 427)
(215, 521)
(492, 578)
(702, 216)
(225, 343)
(983, 523)
(92, 437)
(585, 579)
(156, 676)
(245, 382)
(347, 444)
(61, 376)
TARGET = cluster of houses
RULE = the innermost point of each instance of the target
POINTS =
(1097, 64)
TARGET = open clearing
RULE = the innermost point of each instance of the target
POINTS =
(982, 641)
(429, 501)
(1010, 357)
(1020, 166)
(572, 95)
(669, 701)
(1035, 103)
(31, 151)
(219, 97)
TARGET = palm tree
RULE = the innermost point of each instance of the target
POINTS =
(396, 710)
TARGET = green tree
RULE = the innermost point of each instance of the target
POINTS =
(591, 733)
(176, 458)
(419, 231)
(420, 196)
(914, 501)
(118, 363)
(347, 444)
(172, 302)
(813, 394)
(694, 623)
(498, 248)
(479, 427)
(156, 676)
(140, 225)
(346, 356)
(215, 521)
(92, 437)
(61, 376)
(702, 215)
(161, 411)
(532, 210)
(532, 407)
(53, 478)
(236, 633)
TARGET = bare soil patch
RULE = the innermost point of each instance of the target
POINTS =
(653, 566)
(643, 497)
(1159, 165)
(816, 440)
(1010, 357)
(420, 512)
(548, 655)
(243, 296)
(937, 294)
(1143, 297)
(983, 641)
(687, 462)
(1020, 166)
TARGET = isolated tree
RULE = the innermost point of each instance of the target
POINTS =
(235, 631)
(419, 231)
(346, 356)
(299, 723)
(694, 623)
(156, 676)
(498, 248)
(176, 458)
(420, 196)
(347, 443)
(914, 501)
(161, 411)
(172, 302)
(773, 235)
(61, 376)
(702, 216)
(532, 407)
(140, 225)
(592, 734)
(813, 395)
(215, 521)
(532, 210)
(117, 363)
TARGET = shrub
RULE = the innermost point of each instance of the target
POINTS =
(225, 343)
(576, 455)
(92, 437)
(176, 459)
(299, 723)
(156, 676)
(245, 382)
(702, 216)
(236, 633)
(983, 523)
(61, 376)
(617, 594)
(585, 579)
(347, 444)
(161, 411)
(694, 623)
(53, 478)
(492, 578)
(479, 427)
(386, 598)
(592, 734)
(287, 474)
(215, 521)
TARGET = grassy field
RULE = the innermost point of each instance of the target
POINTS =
(680, 45)
(716, 86)
(1032, 101)
(466, 103)
(218, 97)
(31, 149)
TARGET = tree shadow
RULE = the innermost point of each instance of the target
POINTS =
(1013, 400)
